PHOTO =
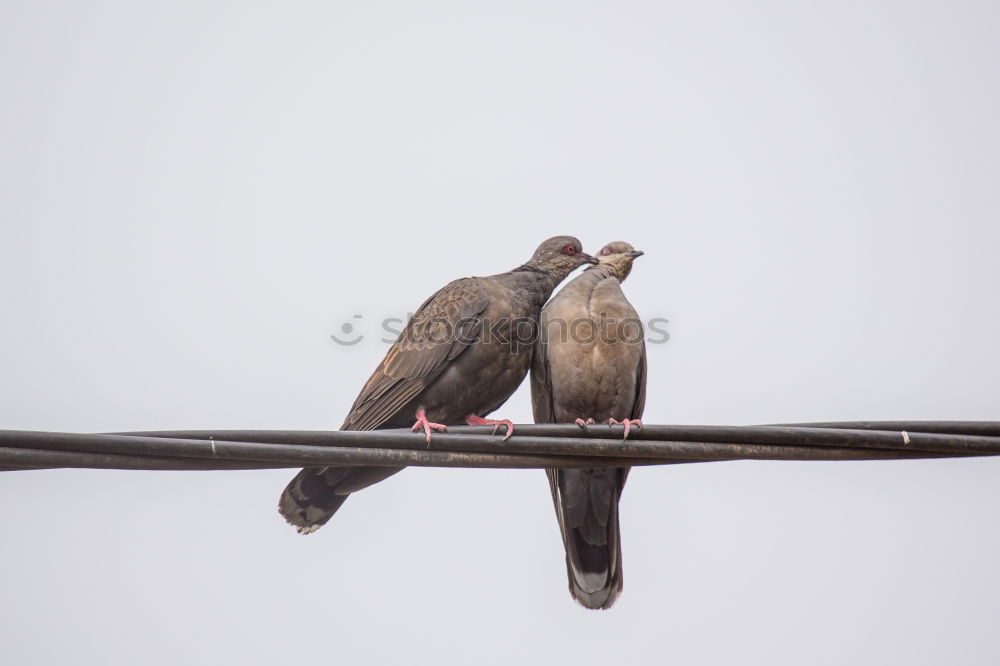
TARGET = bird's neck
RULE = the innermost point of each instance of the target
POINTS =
(583, 285)
(617, 270)
(538, 280)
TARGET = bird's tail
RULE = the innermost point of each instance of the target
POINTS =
(314, 495)
(586, 502)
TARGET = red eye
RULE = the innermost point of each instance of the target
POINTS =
(606, 251)
(569, 250)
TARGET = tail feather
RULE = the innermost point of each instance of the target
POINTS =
(586, 502)
(314, 495)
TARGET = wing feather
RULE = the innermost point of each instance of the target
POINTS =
(439, 331)
(541, 379)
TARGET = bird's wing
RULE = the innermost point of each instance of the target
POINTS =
(640, 386)
(440, 330)
(541, 380)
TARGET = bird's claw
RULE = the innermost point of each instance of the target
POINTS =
(473, 419)
(583, 424)
(628, 423)
(427, 426)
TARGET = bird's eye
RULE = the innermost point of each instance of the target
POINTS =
(606, 251)
(569, 250)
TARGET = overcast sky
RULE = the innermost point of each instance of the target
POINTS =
(195, 195)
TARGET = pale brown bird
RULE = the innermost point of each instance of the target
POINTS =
(590, 365)
(461, 355)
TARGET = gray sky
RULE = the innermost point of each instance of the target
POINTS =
(195, 195)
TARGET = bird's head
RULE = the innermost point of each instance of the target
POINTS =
(618, 256)
(559, 256)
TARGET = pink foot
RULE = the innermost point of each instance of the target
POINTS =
(427, 426)
(472, 419)
(583, 424)
(628, 423)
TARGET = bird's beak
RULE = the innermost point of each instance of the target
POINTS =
(590, 259)
(635, 253)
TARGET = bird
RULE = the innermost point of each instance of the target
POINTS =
(590, 366)
(461, 355)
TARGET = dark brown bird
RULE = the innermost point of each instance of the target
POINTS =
(590, 365)
(461, 355)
